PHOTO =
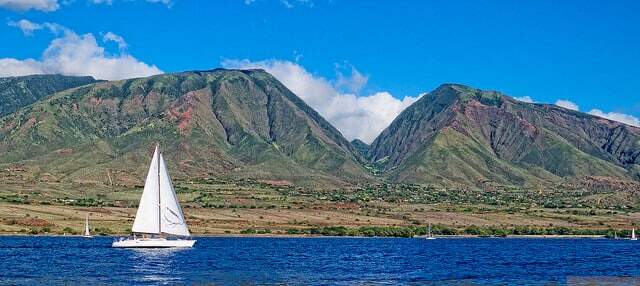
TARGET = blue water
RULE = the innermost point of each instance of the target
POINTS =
(319, 261)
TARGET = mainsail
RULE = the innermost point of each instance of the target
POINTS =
(147, 218)
(159, 211)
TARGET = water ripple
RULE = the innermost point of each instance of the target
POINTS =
(317, 261)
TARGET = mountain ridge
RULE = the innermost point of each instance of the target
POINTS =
(20, 91)
(493, 137)
(246, 124)
(223, 122)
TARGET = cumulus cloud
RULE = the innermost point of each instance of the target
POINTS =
(527, 99)
(27, 27)
(353, 83)
(615, 116)
(25, 5)
(567, 104)
(73, 54)
(111, 37)
(356, 116)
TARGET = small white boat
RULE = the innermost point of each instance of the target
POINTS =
(633, 234)
(159, 222)
(429, 235)
(87, 234)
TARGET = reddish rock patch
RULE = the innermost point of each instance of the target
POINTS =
(33, 222)
(30, 122)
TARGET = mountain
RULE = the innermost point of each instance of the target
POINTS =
(246, 124)
(228, 123)
(462, 136)
(19, 91)
(360, 146)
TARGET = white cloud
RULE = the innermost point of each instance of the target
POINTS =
(615, 116)
(24, 5)
(527, 99)
(362, 117)
(167, 3)
(287, 3)
(73, 54)
(107, 2)
(111, 37)
(353, 83)
(13, 67)
(567, 104)
(27, 27)
(294, 3)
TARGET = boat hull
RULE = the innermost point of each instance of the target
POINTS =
(153, 243)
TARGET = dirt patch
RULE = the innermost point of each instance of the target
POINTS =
(276, 182)
(64, 151)
(98, 210)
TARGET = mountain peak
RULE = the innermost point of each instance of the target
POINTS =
(232, 123)
(467, 93)
(462, 135)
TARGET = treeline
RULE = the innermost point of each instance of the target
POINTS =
(411, 231)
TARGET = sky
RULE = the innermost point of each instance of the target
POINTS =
(359, 63)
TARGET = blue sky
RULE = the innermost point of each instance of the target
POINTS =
(585, 52)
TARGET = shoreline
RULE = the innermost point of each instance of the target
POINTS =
(323, 236)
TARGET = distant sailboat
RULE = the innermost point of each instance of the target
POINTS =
(633, 234)
(159, 215)
(87, 234)
(429, 235)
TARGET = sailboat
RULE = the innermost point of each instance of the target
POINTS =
(87, 234)
(159, 221)
(429, 235)
(633, 234)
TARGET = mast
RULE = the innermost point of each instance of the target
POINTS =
(159, 203)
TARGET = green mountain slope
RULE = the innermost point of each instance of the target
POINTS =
(458, 135)
(19, 91)
(229, 123)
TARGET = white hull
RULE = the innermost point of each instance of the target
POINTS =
(152, 243)
(430, 237)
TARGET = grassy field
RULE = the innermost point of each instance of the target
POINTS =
(218, 206)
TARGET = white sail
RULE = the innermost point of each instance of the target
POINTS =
(633, 233)
(148, 215)
(172, 220)
(159, 212)
(86, 227)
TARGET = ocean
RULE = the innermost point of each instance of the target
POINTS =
(38, 260)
